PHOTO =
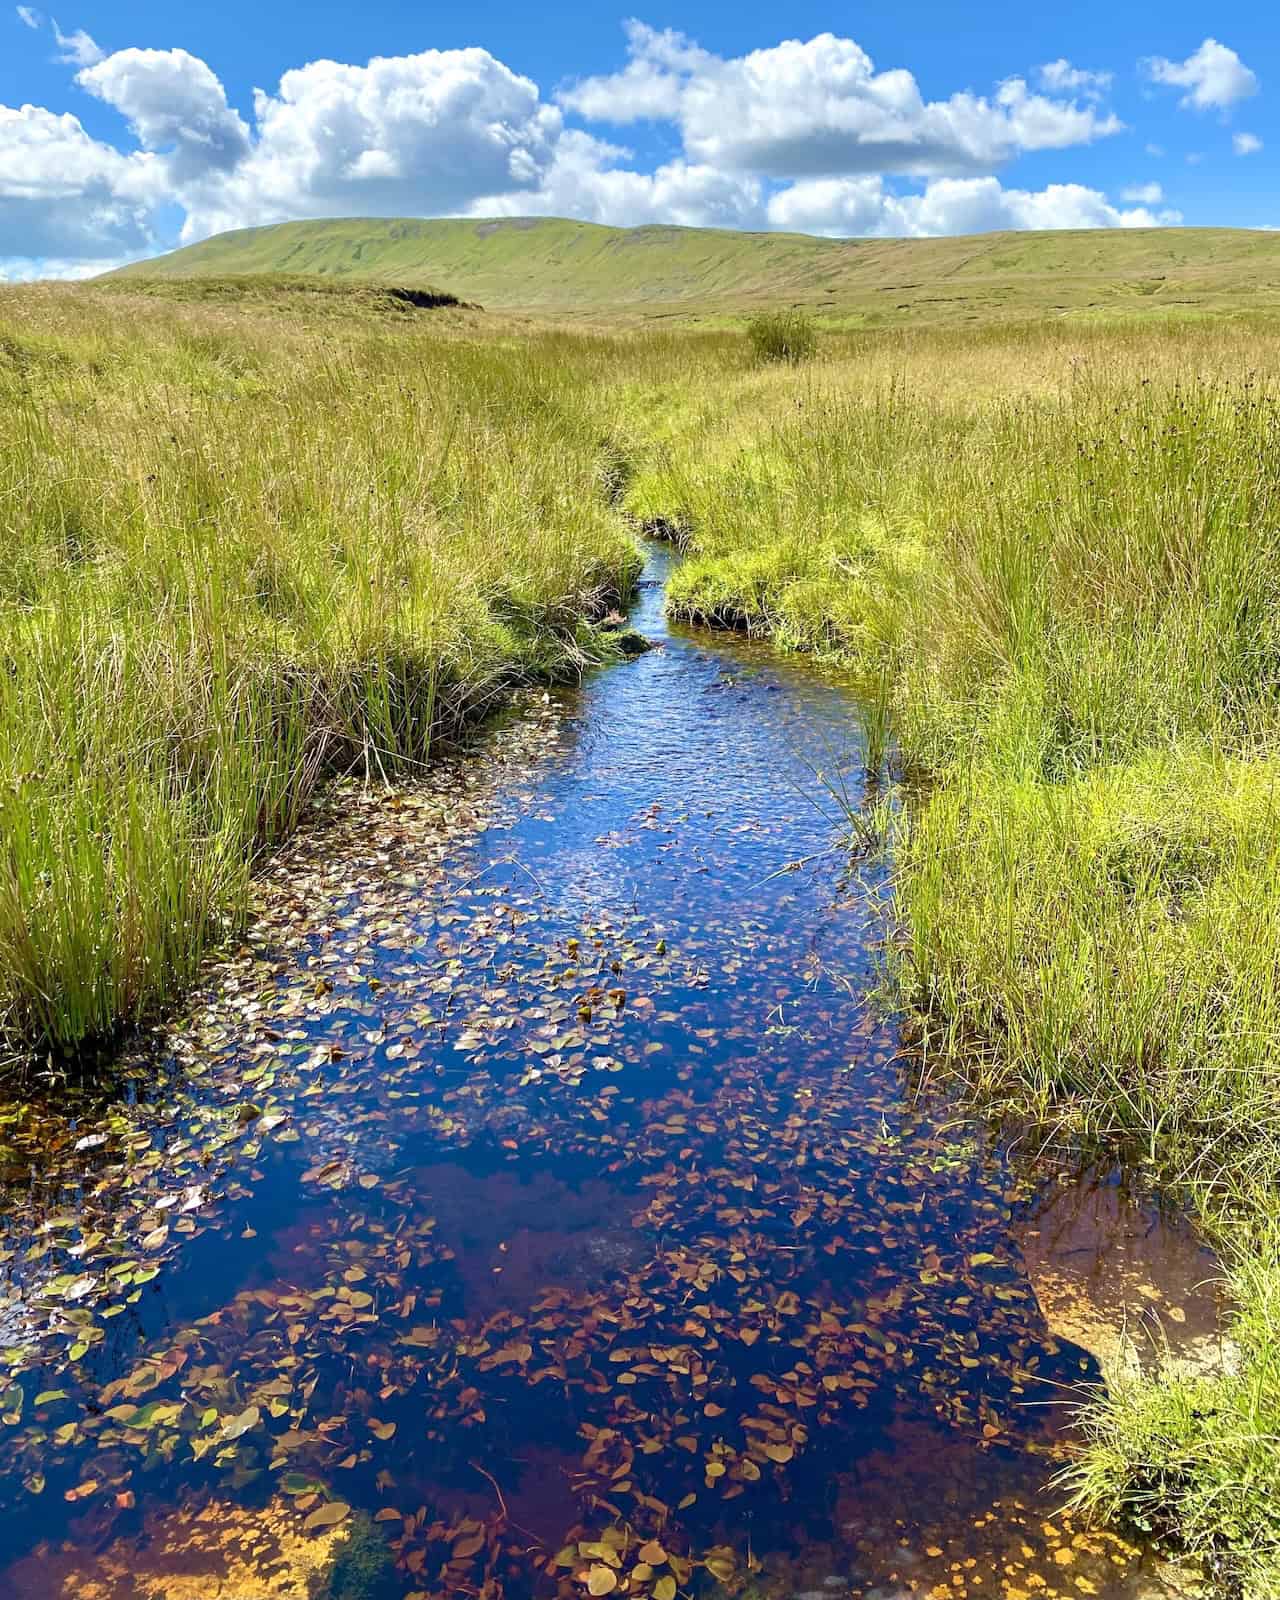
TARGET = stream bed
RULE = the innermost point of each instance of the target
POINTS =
(540, 1186)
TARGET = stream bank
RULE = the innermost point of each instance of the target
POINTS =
(540, 1180)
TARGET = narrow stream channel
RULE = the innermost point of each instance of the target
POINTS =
(540, 1179)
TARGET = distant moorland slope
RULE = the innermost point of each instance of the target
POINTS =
(580, 268)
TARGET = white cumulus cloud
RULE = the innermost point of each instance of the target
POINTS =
(949, 206)
(804, 134)
(586, 181)
(1246, 144)
(1147, 194)
(28, 16)
(820, 108)
(404, 135)
(174, 103)
(1060, 77)
(66, 195)
(25, 269)
(1214, 77)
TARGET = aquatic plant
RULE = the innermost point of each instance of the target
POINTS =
(363, 1567)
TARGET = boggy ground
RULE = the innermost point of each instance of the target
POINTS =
(245, 552)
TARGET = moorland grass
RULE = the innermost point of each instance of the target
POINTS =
(1055, 556)
(584, 270)
(240, 553)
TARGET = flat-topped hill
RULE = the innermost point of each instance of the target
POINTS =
(580, 268)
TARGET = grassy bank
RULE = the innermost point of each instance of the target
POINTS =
(1054, 557)
(243, 549)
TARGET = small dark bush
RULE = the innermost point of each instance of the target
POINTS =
(782, 336)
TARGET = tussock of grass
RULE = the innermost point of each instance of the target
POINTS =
(1062, 564)
(782, 336)
(1109, 943)
(1203, 1447)
(235, 559)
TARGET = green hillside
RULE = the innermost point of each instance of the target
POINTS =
(578, 268)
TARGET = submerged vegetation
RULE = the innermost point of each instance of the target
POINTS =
(241, 556)
(362, 1568)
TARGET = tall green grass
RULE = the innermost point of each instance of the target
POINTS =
(1065, 575)
(236, 556)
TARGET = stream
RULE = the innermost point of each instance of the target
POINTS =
(541, 1178)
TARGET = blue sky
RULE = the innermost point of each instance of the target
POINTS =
(128, 128)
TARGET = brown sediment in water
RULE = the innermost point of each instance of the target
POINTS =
(1133, 1286)
(221, 1551)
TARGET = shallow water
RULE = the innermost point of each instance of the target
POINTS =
(540, 1179)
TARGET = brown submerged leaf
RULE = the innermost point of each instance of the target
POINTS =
(328, 1515)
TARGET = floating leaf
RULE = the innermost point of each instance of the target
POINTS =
(519, 1351)
(297, 1483)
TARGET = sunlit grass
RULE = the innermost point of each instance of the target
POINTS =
(239, 554)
